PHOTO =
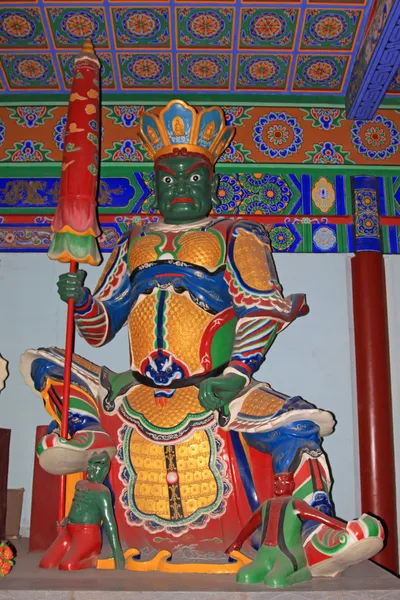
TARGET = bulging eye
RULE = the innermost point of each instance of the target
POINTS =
(195, 177)
(167, 179)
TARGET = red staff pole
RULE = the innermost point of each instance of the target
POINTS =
(69, 349)
(75, 224)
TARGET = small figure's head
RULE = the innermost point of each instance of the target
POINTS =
(185, 187)
(98, 467)
(283, 484)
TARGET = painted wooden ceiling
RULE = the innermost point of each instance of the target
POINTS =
(296, 47)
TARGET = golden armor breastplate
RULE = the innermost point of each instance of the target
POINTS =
(202, 248)
(183, 321)
(183, 328)
(144, 250)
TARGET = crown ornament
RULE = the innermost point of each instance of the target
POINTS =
(180, 126)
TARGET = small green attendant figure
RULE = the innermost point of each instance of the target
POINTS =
(281, 560)
(79, 543)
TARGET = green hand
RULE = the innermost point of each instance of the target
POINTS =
(217, 391)
(70, 285)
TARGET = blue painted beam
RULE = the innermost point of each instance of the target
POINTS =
(377, 62)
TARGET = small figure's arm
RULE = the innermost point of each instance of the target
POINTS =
(305, 511)
(111, 529)
(252, 524)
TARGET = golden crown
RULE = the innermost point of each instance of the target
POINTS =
(181, 126)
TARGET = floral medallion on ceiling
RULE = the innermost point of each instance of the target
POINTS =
(205, 28)
(69, 26)
(299, 46)
(262, 72)
(262, 28)
(22, 28)
(27, 71)
(330, 29)
(204, 71)
(66, 62)
(145, 71)
(321, 72)
(141, 27)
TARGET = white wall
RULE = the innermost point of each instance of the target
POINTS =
(32, 315)
(312, 358)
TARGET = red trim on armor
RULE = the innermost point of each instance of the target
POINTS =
(241, 366)
(319, 486)
(206, 341)
(82, 309)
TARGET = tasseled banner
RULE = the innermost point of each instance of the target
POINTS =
(75, 223)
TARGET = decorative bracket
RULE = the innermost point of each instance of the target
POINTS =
(377, 61)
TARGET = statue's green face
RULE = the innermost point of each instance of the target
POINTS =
(98, 467)
(184, 188)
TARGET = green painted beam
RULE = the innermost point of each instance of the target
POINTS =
(110, 169)
(284, 100)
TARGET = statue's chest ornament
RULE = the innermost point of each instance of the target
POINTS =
(163, 368)
(202, 248)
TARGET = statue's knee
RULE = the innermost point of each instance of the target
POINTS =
(42, 369)
(286, 443)
(287, 456)
(305, 430)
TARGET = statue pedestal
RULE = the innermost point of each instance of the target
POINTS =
(28, 582)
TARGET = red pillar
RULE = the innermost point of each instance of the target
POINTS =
(374, 397)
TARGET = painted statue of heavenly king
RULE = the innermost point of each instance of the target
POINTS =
(195, 440)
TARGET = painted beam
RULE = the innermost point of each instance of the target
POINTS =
(149, 99)
(376, 63)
